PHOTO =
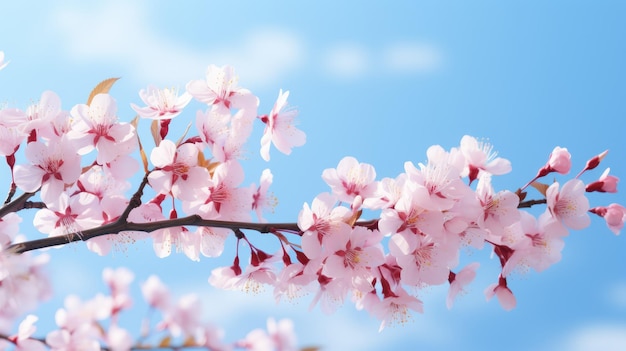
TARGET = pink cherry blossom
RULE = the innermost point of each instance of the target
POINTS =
(282, 334)
(220, 90)
(330, 294)
(481, 159)
(352, 257)
(96, 127)
(280, 129)
(155, 293)
(37, 116)
(223, 198)
(213, 127)
(183, 317)
(51, 167)
(118, 339)
(441, 177)
(293, 283)
(77, 323)
(560, 161)
(410, 215)
(69, 215)
(251, 280)
(503, 293)
(118, 281)
(212, 240)
(261, 199)
(24, 284)
(319, 221)
(614, 215)
(569, 205)
(538, 245)
(423, 260)
(161, 103)
(177, 170)
(394, 309)
(163, 239)
(606, 184)
(22, 340)
(459, 280)
(10, 138)
(500, 209)
(388, 191)
(350, 179)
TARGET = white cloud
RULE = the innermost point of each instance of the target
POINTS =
(605, 337)
(118, 32)
(352, 60)
(346, 61)
(412, 58)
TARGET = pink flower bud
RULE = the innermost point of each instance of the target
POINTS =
(560, 160)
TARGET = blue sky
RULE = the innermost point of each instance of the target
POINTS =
(381, 82)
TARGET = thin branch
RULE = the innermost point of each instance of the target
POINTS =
(193, 220)
(531, 203)
(16, 204)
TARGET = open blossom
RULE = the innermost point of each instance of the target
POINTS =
(261, 199)
(459, 280)
(503, 293)
(394, 308)
(536, 243)
(569, 205)
(22, 340)
(37, 116)
(223, 198)
(96, 126)
(70, 214)
(280, 129)
(352, 257)
(10, 138)
(155, 292)
(351, 179)
(177, 170)
(614, 215)
(162, 103)
(500, 209)
(221, 91)
(320, 221)
(51, 167)
(481, 159)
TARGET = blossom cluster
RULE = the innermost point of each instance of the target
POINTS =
(428, 214)
(80, 163)
(81, 323)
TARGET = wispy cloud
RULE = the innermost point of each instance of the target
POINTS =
(606, 337)
(130, 40)
(347, 60)
(353, 60)
(411, 57)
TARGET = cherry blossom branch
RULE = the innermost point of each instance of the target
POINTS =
(121, 225)
(531, 203)
(15, 205)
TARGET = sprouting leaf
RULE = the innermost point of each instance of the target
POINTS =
(166, 341)
(102, 88)
(156, 134)
(542, 188)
